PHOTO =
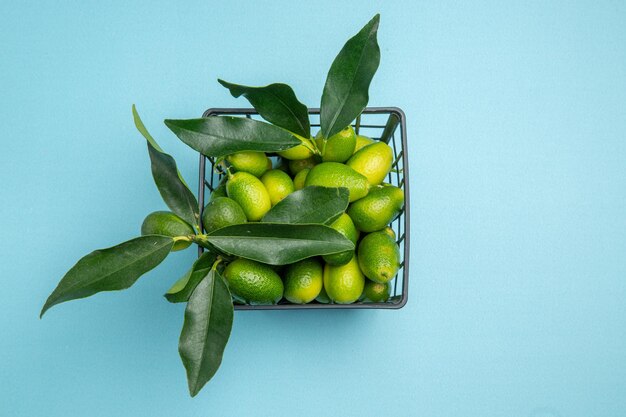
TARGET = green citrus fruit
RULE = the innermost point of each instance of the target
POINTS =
(377, 209)
(339, 147)
(376, 292)
(345, 226)
(344, 283)
(253, 282)
(302, 151)
(222, 212)
(300, 178)
(361, 142)
(303, 281)
(166, 223)
(379, 257)
(254, 163)
(278, 185)
(334, 174)
(373, 161)
(298, 165)
(250, 193)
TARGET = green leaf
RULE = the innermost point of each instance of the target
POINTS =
(168, 180)
(312, 204)
(182, 289)
(346, 90)
(276, 103)
(223, 135)
(110, 269)
(207, 326)
(278, 243)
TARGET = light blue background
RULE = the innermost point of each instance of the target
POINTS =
(517, 134)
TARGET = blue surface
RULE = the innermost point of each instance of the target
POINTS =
(517, 130)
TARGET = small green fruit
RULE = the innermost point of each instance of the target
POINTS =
(221, 212)
(278, 185)
(344, 284)
(334, 174)
(373, 161)
(303, 281)
(253, 282)
(166, 223)
(345, 226)
(339, 147)
(377, 209)
(255, 163)
(250, 193)
(379, 257)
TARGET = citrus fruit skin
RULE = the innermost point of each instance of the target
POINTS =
(278, 185)
(373, 161)
(379, 257)
(375, 292)
(253, 282)
(377, 209)
(344, 284)
(335, 174)
(300, 178)
(250, 193)
(361, 142)
(302, 151)
(221, 212)
(255, 163)
(297, 166)
(166, 223)
(303, 281)
(390, 232)
(339, 147)
(345, 226)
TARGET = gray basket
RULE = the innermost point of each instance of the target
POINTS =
(378, 123)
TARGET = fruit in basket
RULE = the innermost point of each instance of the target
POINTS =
(302, 151)
(253, 282)
(300, 178)
(255, 163)
(376, 292)
(221, 212)
(339, 147)
(373, 161)
(379, 257)
(344, 283)
(250, 193)
(362, 141)
(377, 209)
(278, 185)
(298, 165)
(166, 223)
(334, 174)
(303, 281)
(345, 226)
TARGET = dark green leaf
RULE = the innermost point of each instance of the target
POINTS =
(110, 269)
(223, 135)
(312, 204)
(207, 326)
(277, 243)
(168, 180)
(182, 289)
(276, 103)
(346, 90)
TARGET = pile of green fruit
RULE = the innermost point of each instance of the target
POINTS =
(336, 181)
(296, 219)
